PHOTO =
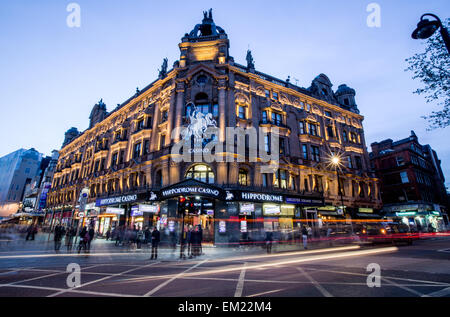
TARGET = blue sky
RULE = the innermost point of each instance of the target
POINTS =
(51, 75)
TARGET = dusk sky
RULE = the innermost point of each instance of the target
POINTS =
(52, 75)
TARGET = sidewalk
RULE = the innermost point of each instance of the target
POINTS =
(44, 244)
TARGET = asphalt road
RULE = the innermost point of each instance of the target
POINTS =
(419, 270)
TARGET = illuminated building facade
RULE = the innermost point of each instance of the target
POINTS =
(125, 158)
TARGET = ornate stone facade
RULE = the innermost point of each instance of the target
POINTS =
(129, 149)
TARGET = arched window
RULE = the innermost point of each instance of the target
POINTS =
(243, 177)
(202, 173)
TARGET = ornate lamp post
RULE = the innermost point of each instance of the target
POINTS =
(426, 28)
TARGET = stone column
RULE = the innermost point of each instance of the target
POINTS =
(233, 173)
(155, 133)
(222, 174)
(174, 171)
(179, 108)
(170, 119)
(222, 109)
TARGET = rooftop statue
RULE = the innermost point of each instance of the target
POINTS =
(163, 70)
(250, 60)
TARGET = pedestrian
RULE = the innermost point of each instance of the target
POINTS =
(57, 237)
(30, 232)
(183, 241)
(200, 239)
(305, 237)
(91, 234)
(139, 238)
(329, 231)
(69, 238)
(189, 239)
(195, 237)
(108, 234)
(269, 240)
(147, 234)
(156, 238)
(83, 239)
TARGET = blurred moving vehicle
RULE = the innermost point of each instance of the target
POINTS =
(386, 232)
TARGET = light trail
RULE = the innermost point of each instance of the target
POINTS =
(331, 256)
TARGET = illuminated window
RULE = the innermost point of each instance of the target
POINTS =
(202, 173)
(243, 177)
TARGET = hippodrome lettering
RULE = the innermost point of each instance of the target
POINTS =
(191, 190)
(264, 197)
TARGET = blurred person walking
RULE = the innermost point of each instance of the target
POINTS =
(305, 237)
(84, 237)
(70, 234)
(269, 241)
(91, 234)
(57, 237)
(156, 238)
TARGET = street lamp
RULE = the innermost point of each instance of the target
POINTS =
(336, 161)
(426, 28)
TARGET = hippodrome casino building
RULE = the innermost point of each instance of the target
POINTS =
(120, 170)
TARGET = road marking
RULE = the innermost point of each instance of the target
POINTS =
(153, 291)
(319, 287)
(444, 250)
(441, 293)
(103, 278)
(403, 287)
(265, 293)
(240, 284)
(70, 291)
(391, 278)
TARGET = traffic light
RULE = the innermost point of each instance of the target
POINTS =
(181, 205)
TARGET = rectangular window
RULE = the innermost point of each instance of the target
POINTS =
(302, 127)
(215, 111)
(146, 147)
(344, 136)
(400, 161)
(137, 150)
(358, 162)
(264, 117)
(404, 177)
(121, 157)
(267, 144)
(264, 180)
(315, 153)
(282, 147)
(349, 162)
(305, 152)
(330, 132)
(276, 119)
(312, 129)
(267, 92)
(164, 116)
(275, 95)
(242, 112)
(162, 138)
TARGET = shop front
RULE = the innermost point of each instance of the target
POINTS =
(419, 218)
(228, 216)
(115, 211)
